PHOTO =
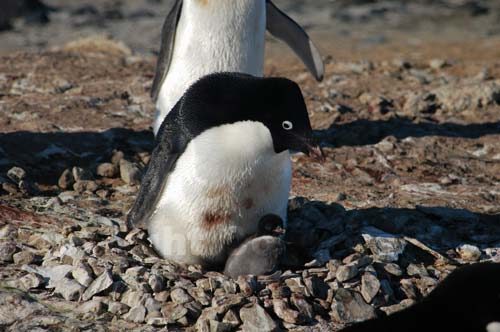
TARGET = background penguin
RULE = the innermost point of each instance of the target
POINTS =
(468, 300)
(221, 162)
(259, 254)
(200, 37)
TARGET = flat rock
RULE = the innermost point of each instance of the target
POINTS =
(69, 289)
(370, 285)
(136, 314)
(53, 274)
(102, 283)
(386, 247)
(129, 172)
(256, 319)
(349, 307)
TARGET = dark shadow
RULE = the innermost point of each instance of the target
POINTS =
(313, 226)
(365, 132)
(45, 156)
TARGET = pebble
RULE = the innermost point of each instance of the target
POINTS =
(346, 272)
(81, 174)
(437, 63)
(129, 172)
(256, 319)
(469, 252)
(136, 314)
(69, 289)
(370, 286)
(349, 307)
(386, 247)
(95, 307)
(107, 170)
(16, 174)
(180, 296)
(173, 312)
(117, 308)
(24, 257)
(83, 274)
(7, 251)
(66, 180)
(102, 283)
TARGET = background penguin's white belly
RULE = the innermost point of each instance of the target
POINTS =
(218, 36)
(217, 195)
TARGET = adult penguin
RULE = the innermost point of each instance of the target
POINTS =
(201, 37)
(220, 164)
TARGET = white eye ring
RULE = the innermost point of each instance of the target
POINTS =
(287, 125)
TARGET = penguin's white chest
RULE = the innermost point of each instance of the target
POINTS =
(225, 181)
(213, 36)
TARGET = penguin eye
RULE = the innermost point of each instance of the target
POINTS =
(287, 125)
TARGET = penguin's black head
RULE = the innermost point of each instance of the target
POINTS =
(225, 98)
(287, 119)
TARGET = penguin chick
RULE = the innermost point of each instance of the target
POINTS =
(260, 254)
(221, 162)
(468, 300)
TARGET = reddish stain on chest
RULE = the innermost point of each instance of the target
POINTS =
(248, 203)
(212, 219)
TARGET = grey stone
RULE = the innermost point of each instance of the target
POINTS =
(66, 180)
(52, 273)
(102, 283)
(81, 174)
(107, 170)
(469, 252)
(95, 307)
(393, 269)
(173, 312)
(136, 314)
(7, 251)
(69, 289)
(386, 247)
(349, 307)
(157, 283)
(256, 319)
(180, 296)
(346, 272)
(152, 305)
(398, 307)
(437, 63)
(283, 311)
(83, 274)
(85, 186)
(129, 172)
(370, 285)
(16, 174)
(31, 281)
(117, 308)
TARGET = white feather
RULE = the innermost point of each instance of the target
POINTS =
(230, 172)
(213, 36)
(493, 327)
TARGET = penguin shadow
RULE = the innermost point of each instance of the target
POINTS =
(45, 156)
(319, 234)
(367, 132)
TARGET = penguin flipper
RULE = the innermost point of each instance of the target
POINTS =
(169, 146)
(283, 27)
(167, 46)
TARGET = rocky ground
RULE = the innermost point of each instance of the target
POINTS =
(410, 189)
